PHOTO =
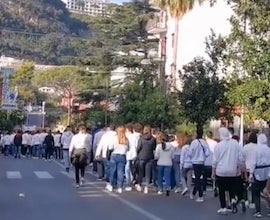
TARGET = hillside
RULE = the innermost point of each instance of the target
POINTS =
(40, 16)
(43, 31)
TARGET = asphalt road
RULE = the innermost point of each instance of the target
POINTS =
(38, 190)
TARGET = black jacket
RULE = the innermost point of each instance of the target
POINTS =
(49, 141)
(146, 147)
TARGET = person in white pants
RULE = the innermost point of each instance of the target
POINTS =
(65, 141)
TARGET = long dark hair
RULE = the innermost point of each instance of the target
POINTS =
(161, 139)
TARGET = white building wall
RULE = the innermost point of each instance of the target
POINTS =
(193, 28)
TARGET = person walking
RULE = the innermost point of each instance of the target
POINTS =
(6, 142)
(57, 145)
(36, 143)
(145, 152)
(198, 152)
(164, 155)
(66, 141)
(49, 146)
(118, 160)
(259, 171)
(186, 168)
(79, 149)
(18, 144)
(130, 156)
(227, 161)
(209, 160)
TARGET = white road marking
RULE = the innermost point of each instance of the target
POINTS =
(131, 205)
(88, 192)
(43, 175)
(14, 175)
(91, 196)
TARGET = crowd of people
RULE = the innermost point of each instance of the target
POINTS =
(133, 157)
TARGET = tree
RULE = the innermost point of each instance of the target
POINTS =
(67, 82)
(202, 93)
(22, 81)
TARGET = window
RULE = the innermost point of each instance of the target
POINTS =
(173, 40)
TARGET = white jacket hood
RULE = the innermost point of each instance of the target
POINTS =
(262, 139)
(224, 133)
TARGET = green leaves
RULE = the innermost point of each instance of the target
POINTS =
(202, 93)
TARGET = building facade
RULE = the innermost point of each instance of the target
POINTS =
(91, 7)
(181, 40)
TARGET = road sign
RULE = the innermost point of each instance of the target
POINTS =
(9, 98)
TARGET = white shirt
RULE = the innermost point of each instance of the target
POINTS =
(36, 140)
(212, 144)
(105, 144)
(249, 154)
(80, 141)
(185, 161)
(12, 136)
(66, 139)
(42, 137)
(118, 148)
(26, 139)
(97, 138)
(165, 156)
(56, 138)
(6, 140)
(227, 158)
(133, 143)
(198, 151)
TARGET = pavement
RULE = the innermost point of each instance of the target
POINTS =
(38, 190)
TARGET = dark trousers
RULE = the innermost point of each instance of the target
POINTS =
(198, 172)
(48, 152)
(57, 151)
(144, 168)
(257, 188)
(79, 168)
(100, 169)
(226, 184)
(24, 150)
(94, 166)
(206, 175)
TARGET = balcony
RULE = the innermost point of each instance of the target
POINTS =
(155, 27)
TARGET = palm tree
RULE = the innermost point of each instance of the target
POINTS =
(177, 9)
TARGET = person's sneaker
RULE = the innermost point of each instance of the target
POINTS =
(159, 192)
(145, 190)
(200, 199)
(82, 181)
(258, 215)
(177, 190)
(222, 211)
(77, 185)
(119, 190)
(184, 191)
(234, 206)
(138, 187)
(191, 196)
(268, 214)
(109, 187)
(128, 189)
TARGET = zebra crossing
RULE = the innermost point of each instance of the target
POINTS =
(13, 175)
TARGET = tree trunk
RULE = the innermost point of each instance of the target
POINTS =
(69, 109)
(175, 50)
(199, 127)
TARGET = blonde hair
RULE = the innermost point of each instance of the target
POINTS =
(147, 130)
(121, 133)
(182, 138)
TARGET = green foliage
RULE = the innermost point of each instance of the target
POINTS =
(22, 80)
(187, 127)
(8, 120)
(202, 93)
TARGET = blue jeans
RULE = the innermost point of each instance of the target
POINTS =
(118, 163)
(66, 158)
(41, 151)
(164, 172)
(107, 170)
(17, 151)
(6, 150)
(177, 174)
(128, 172)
